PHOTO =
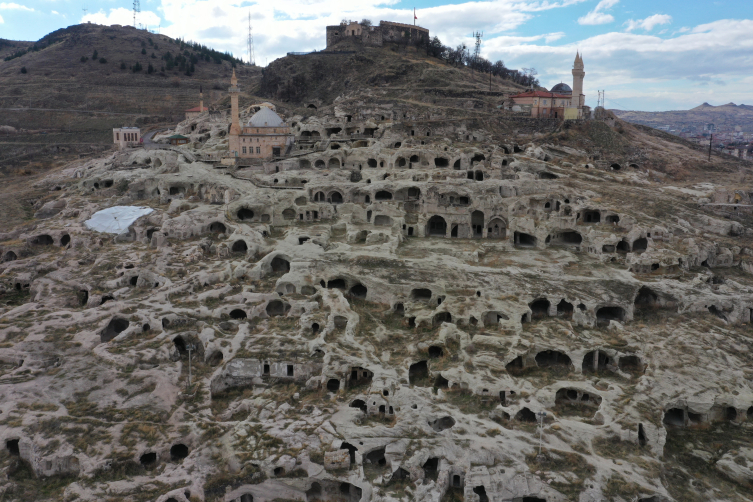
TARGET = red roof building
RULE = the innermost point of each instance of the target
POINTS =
(562, 102)
(543, 104)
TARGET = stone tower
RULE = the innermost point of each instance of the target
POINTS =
(201, 100)
(234, 142)
(579, 99)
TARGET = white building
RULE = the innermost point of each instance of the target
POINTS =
(126, 136)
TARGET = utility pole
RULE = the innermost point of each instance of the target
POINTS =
(711, 141)
(190, 347)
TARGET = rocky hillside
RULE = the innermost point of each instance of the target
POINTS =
(405, 72)
(428, 299)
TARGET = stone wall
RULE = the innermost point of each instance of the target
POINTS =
(387, 31)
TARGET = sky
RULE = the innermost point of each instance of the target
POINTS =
(649, 55)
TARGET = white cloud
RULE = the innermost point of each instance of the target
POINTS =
(597, 16)
(1, 20)
(293, 25)
(123, 17)
(649, 23)
(14, 6)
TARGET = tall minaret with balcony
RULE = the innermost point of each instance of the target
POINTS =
(234, 141)
(579, 99)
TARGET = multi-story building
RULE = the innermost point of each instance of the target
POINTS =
(126, 136)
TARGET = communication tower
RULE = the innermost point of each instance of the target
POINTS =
(477, 50)
(251, 57)
(136, 10)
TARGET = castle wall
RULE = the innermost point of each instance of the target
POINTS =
(387, 31)
(394, 32)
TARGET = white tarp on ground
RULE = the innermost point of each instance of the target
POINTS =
(116, 219)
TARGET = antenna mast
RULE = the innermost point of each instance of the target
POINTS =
(136, 10)
(251, 57)
(85, 9)
(477, 50)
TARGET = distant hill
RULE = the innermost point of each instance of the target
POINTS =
(64, 82)
(725, 117)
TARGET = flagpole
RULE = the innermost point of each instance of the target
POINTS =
(414, 16)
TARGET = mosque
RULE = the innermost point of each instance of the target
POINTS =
(562, 102)
(265, 135)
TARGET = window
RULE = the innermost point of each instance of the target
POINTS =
(117, 136)
(545, 101)
(244, 149)
(258, 150)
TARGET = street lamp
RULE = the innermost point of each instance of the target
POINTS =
(541, 416)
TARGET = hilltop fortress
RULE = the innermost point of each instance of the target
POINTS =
(387, 31)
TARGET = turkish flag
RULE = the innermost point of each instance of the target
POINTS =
(414, 14)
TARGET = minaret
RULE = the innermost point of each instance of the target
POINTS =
(201, 100)
(579, 99)
(234, 142)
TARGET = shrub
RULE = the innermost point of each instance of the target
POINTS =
(84, 59)
(102, 60)
(95, 55)
(23, 69)
(143, 51)
(150, 69)
(122, 65)
(137, 67)
(175, 82)
(153, 56)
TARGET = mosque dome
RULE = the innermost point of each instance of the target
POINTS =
(562, 88)
(265, 118)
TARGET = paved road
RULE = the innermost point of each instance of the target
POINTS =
(151, 145)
